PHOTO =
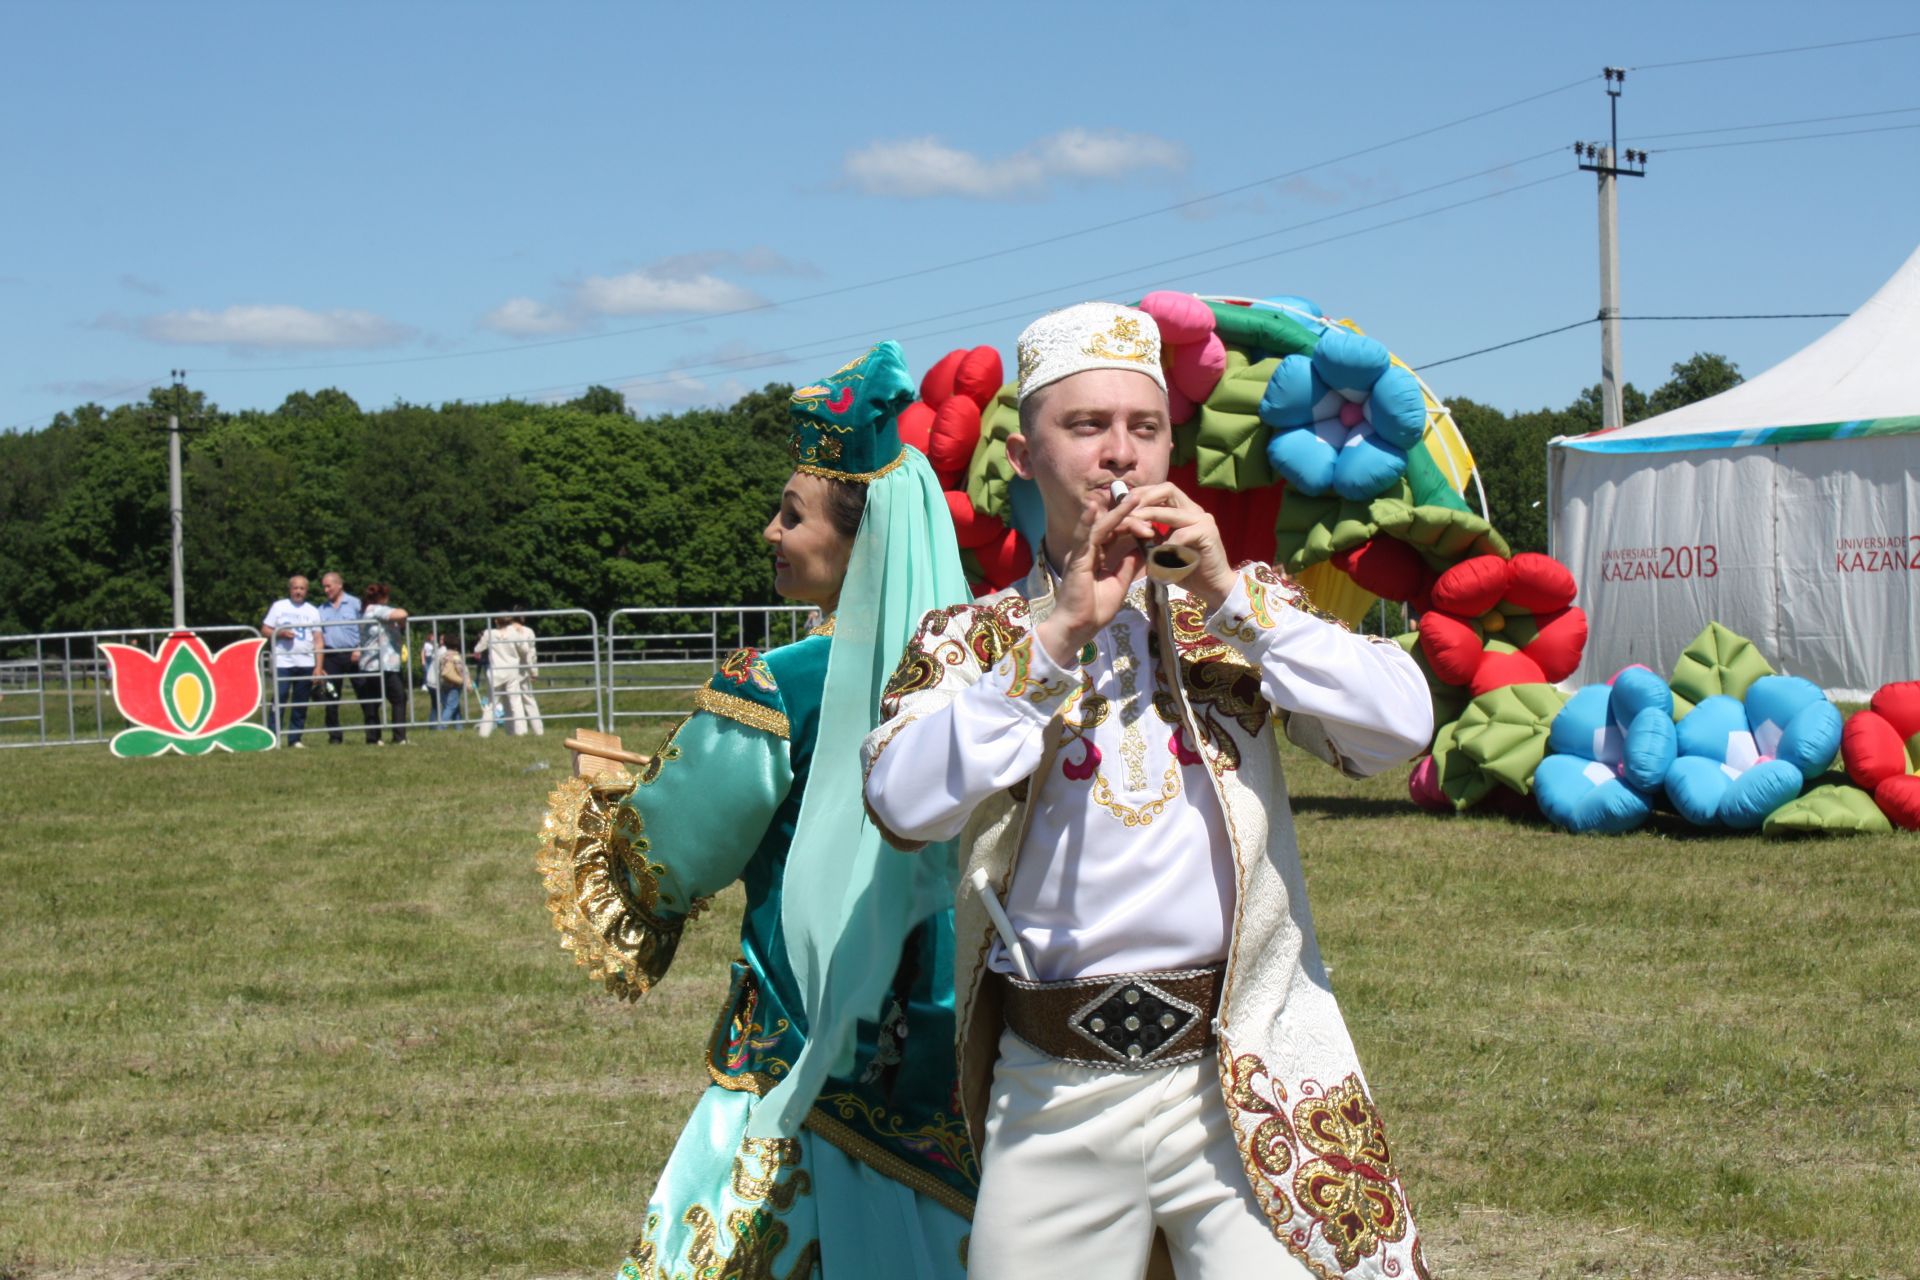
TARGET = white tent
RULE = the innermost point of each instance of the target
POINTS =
(1787, 508)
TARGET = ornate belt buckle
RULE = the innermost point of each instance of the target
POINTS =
(1134, 1022)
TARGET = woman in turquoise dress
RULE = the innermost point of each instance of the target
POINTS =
(827, 1142)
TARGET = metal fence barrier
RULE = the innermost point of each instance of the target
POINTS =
(657, 657)
(56, 688)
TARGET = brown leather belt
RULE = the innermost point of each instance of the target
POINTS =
(1119, 1021)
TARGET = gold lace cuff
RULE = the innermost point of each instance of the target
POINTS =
(603, 890)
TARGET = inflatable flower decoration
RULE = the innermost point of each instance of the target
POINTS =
(1741, 758)
(1496, 622)
(1191, 350)
(946, 424)
(1343, 418)
(1609, 751)
(1881, 747)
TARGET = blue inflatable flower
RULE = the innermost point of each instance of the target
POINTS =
(1609, 750)
(1343, 418)
(1742, 758)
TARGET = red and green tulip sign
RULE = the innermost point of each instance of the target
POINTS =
(187, 699)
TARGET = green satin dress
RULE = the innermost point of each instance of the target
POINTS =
(881, 1178)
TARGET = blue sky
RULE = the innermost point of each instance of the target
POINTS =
(436, 201)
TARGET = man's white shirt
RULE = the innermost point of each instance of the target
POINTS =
(297, 652)
(1126, 865)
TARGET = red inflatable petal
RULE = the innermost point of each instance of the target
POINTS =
(978, 377)
(1562, 639)
(956, 430)
(1180, 316)
(1472, 587)
(937, 387)
(1004, 561)
(1452, 647)
(1387, 567)
(1540, 583)
(972, 528)
(1872, 749)
(916, 425)
(1900, 704)
(1899, 799)
(1498, 670)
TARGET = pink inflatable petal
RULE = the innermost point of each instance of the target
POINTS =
(1197, 367)
(1182, 317)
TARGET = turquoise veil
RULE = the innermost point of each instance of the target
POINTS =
(849, 899)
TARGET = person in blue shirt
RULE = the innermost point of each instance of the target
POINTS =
(341, 662)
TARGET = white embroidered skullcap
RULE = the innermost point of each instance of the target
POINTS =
(1089, 335)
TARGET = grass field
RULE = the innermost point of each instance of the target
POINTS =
(302, 1014)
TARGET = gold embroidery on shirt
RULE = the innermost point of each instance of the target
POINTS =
(1146, 813)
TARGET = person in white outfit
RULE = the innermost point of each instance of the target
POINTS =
(1152, 1063)
(512, 667)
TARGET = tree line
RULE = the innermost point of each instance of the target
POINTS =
(487, 507)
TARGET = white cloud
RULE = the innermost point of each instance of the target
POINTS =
(528, 317)
(914, 168)
(654, 291)
(273, 327)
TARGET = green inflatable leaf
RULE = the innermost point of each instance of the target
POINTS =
(989, 474)
(1272, 333)
(245, 737)
(1460, 779)
(1429, 483)
(1449, 700)
(1718, 661)
(1442, 535)
(1503, 735)
(1230, 443)
(1310, 529)
(1830, 810)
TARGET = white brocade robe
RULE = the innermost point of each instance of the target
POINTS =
(1133, 815)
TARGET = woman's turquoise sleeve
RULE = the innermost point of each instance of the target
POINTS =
(629, 860)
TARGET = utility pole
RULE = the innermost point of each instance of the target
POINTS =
(177, 517)
(1599, 158)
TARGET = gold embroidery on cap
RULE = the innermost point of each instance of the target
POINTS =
(1125, 331)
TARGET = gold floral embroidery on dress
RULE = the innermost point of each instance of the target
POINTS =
(824, 629)
(754, 715)
(1121, 341)
(744, 666)
(1126, 666)
(1023, 683)
(942, 1140)
(755, 1234)
(1290, 592)
(1349, 1188)
(741, 1040)
(603, 891)
(1144, 815)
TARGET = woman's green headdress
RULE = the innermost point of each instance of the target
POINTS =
(845, 426)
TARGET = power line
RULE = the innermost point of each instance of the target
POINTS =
(732, 365)
(1502, 346)
(1579, 324)
(1797, 137)
(1776, 315)
(1777, 124)
(116, 394)
(1771, 53)
(920, 271)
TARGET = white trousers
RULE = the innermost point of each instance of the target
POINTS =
(516, 701)
(1082, 1166)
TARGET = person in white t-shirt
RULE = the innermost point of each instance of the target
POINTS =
(293, 625)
